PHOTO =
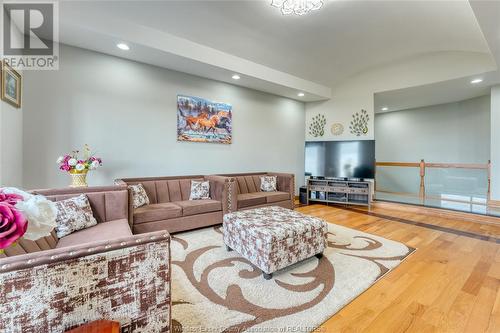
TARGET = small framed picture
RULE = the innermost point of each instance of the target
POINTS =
(11, 85)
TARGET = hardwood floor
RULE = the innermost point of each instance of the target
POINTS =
(450, 284)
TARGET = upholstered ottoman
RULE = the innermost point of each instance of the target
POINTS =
(273, 238)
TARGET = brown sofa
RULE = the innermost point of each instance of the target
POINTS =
(249, 195)
(170, 208)
(51, 285)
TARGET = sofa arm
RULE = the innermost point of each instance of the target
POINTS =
(125, 280)
(122, 183)
(223, 189)
(286, 183)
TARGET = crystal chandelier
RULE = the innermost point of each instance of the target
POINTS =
(297, 7)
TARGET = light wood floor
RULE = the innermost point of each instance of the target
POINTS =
(450, 284)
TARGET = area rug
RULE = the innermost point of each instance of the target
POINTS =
(218, 291)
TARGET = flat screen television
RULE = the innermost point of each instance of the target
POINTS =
(342, 159)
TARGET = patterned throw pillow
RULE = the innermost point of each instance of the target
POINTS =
(73, 214)
(268, 183)
(139, 195)
(199, 190)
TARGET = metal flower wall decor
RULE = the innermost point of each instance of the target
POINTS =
(359, 123)
(317, 126)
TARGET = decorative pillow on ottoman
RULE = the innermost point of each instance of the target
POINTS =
(199, 190)
(268, 183)
(139, 195)
(73, 214)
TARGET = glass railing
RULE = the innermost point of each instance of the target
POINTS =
(457, 186)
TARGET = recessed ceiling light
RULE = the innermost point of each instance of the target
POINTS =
(301, 94)
(235, 77)
(476, 81)
(123, 46)
(385, 108)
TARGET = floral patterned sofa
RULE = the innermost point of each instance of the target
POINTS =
(102, 272)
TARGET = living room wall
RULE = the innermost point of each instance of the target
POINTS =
(126, 111)
(448, 133)
(11, 137)
(11, 141)
(357, 92)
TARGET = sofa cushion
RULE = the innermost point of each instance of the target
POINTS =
(251, 199)
(139, 195)
(157, 212)
(73, 214)
(195, 207)
(200, 190)
(268, 183)
(277, 196)
(100, 232)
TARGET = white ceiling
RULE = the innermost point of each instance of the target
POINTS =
(327, 46)
(430, 94)
(487, 14)
(275, 53)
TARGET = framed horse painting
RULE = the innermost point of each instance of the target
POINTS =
(201, 120)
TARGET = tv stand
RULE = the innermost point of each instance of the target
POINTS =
(339, 191)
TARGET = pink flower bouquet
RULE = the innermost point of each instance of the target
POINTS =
(76, 163)
(24, 215)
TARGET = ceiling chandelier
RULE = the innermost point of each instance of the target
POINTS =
(297, 7)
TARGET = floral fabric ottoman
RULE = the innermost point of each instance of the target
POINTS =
(273, 238)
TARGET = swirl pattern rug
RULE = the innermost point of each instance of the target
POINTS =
(218, 291)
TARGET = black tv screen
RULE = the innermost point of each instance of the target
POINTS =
(343, 159)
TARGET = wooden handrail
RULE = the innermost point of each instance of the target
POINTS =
(422, 165)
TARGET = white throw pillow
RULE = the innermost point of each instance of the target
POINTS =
(200, 190)
(268, 183)
(139, 195)
(73, 214)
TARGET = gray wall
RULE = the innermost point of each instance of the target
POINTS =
(11, 139)
(126, 111)
(11, 145)
(454, 132)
